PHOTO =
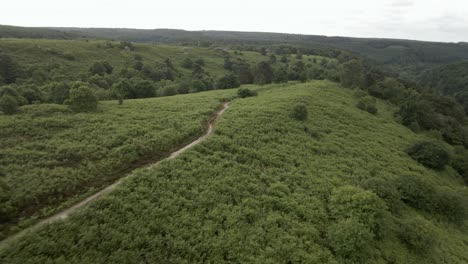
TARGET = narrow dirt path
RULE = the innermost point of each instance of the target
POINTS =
(65, 213)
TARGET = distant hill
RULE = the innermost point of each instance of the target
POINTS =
(448, 79)
(39, 33)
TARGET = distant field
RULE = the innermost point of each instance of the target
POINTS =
(265, 188)
(49, 155)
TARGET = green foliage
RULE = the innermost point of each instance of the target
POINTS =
(187, 63)
(416, 192)
(228, 81)
(57, 92)
(367, 103)
(459, 162)
(101, 68)
(363, 206)
(430, 154)
(352, 74)
(386, 190)
(263, 73)
(121, 90)
(82, 99)
(351, 240)
(258, 190)
(245, 92)
(388, 89)
(417, 234)
(60, 155)
(299, 111)
(8, 104)
(451, 205)
(9, 69)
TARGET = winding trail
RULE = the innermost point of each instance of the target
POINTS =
(65, 213)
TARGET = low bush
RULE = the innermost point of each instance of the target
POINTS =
(299, 112)
(245, 92)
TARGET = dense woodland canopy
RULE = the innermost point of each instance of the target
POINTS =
(336, 150)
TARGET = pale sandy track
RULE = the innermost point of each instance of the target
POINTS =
(65, 213)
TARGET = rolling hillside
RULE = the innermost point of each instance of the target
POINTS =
(271, 186)
(404, 57)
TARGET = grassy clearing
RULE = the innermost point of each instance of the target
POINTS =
(48, 155)
(265, 188)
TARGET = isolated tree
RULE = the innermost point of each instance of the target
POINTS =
(352, 74)
(82, 99)
(121, 90)
(8, 104)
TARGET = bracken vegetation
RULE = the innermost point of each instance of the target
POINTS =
(337, 187)
(49, 154)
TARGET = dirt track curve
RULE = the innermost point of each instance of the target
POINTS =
(65, 213)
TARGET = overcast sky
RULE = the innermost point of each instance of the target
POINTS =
(434, 20)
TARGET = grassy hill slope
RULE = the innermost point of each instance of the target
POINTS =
(266, 188)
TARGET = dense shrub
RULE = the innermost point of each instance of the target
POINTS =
(430, 154)
(367, 103)
(386, 191)
(299, 112)
(8, 104)
(361, 205)
(100, 68)
(352, 74)
(57, 92)
(417, 234)
(416, 192)
(245, 92)
(82, 99)
(168, 90)
(451, 205)
(9, 69)
(350, 239)
(186, 63)
(459, 162)
(228, 81)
